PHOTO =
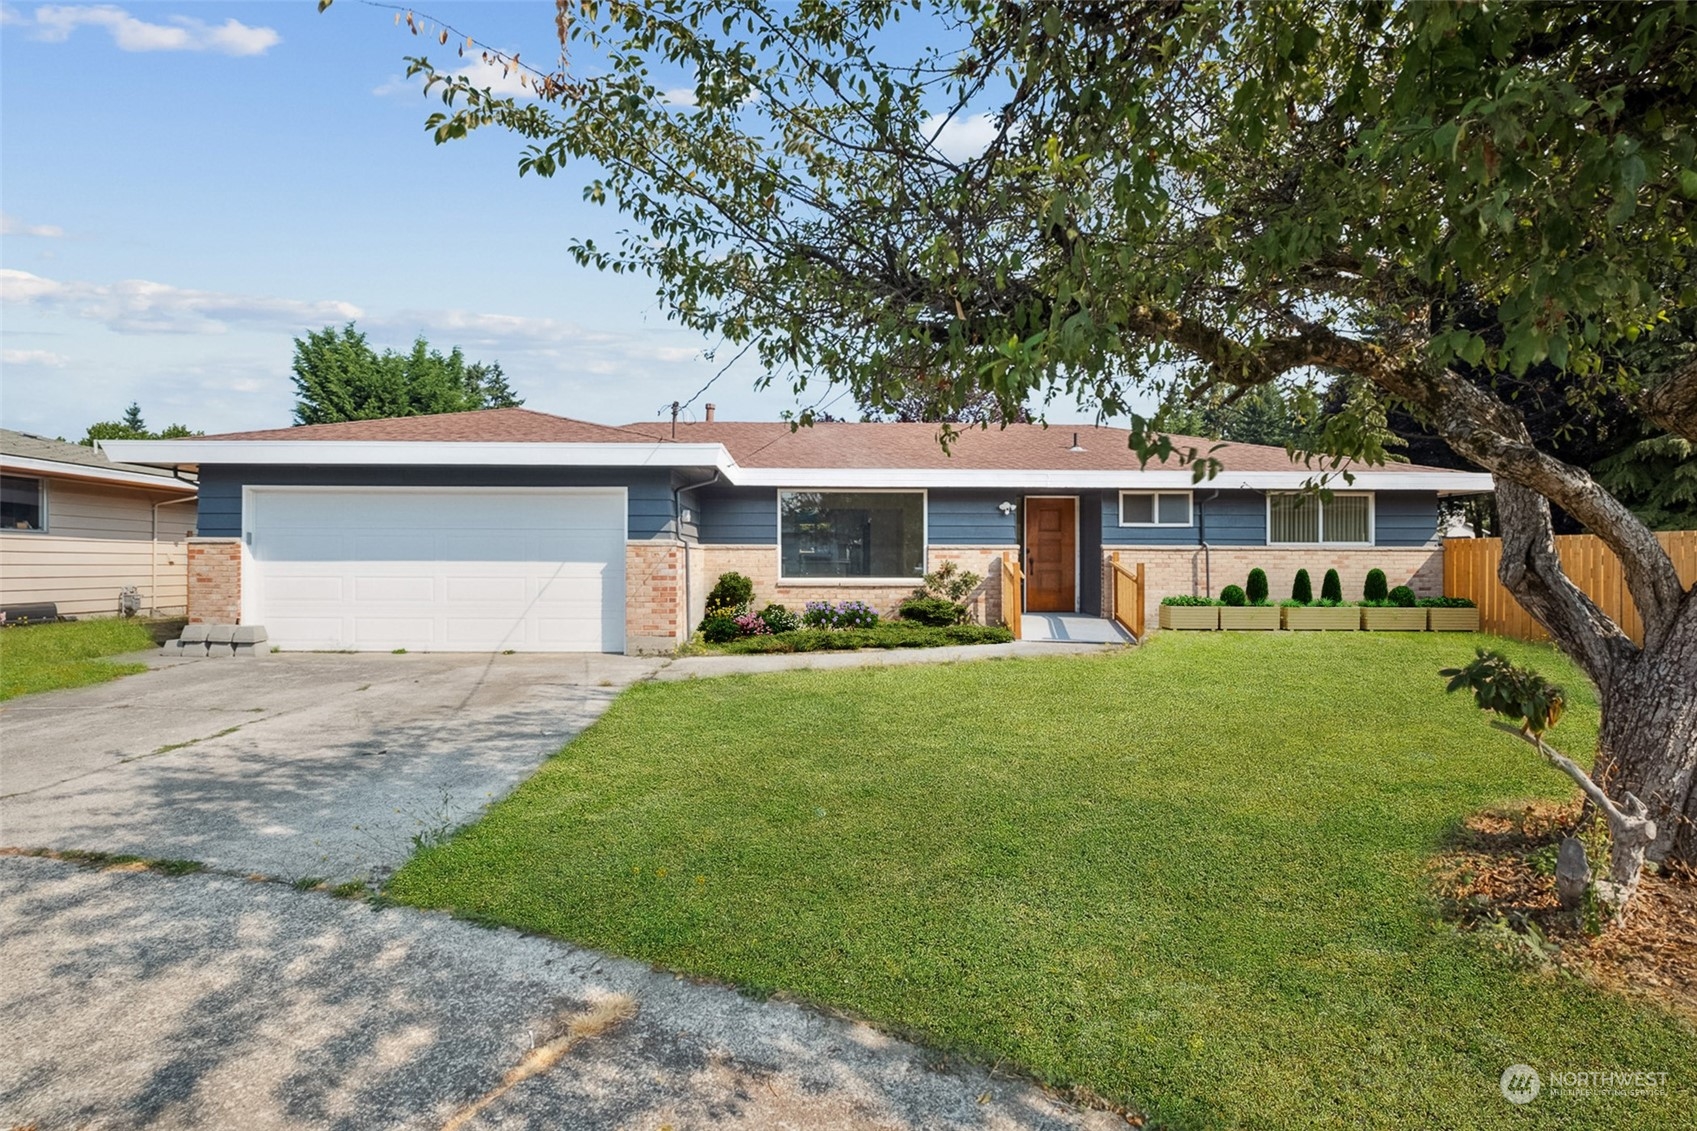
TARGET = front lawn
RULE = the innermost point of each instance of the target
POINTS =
(1189, 877)
(46, 657)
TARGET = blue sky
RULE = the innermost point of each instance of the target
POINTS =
(188, 186)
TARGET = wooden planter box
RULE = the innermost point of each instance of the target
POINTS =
(1345, 618)
(1393, 619)
(1453, 620)
(1249, 618)
(1192, 618)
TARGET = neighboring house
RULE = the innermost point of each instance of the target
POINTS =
(77, 529)
(509, 528)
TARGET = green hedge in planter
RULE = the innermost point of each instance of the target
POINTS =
(1376, 588)
(1233, 596)
(1331, 588)
(1257, 587)
(1302, 590)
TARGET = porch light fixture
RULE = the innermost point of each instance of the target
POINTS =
(1006, 508)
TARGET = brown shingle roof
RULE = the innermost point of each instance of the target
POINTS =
(30, 446)
(490, 425)
(771, 444)
(1019, 447)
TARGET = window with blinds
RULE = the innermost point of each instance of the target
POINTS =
(1343, 519)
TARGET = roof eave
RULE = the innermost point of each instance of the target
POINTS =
(409, 453)
(36, 466)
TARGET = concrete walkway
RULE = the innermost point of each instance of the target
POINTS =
(134, 1000)
(1073, 628)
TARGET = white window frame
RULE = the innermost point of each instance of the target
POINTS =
(850, 582)
(1155, 511)
(1372, 520)
(41, 490)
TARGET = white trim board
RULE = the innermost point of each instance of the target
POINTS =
(369, 453)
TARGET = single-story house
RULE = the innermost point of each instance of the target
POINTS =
(509, 528)
(77, 529)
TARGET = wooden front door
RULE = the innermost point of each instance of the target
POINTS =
(1051, 555)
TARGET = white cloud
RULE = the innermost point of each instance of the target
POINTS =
(56, 23)
(12, 226)
(138, 306)
(960, 138)
(44, 358)
(679, 96)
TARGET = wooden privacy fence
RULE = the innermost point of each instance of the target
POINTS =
(1128, 595)
(1470, 570)
(1013, 602)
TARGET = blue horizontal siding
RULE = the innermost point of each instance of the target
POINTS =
(220, 508)
(738, 516)
(1405, 518)
(972, 518)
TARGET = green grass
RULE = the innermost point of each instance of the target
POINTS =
(1189, 877)
(49, 657)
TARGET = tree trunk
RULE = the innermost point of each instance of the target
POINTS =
(1648, 741)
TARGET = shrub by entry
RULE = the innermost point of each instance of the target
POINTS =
(936, 611)
(1331, 588)
(1302, 589)
(732, 591)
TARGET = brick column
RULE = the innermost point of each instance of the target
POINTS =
(655, 617)
(215, 580)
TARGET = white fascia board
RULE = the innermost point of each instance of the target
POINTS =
(1449, 482)
(31, 466)
(403, 453)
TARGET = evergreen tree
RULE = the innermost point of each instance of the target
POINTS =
(339, 376)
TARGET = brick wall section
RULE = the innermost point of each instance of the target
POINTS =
(654, 596)
(1171, 572)
(215, 580)
(760, 565)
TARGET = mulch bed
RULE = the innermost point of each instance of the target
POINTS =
(1499, 877)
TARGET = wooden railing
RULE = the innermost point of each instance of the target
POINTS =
(1128, 595)
(1470, 570)
(1013, 601)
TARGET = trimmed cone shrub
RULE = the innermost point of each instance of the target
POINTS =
(1375, 587)
(1402, 597)
(1257, 587)
(1302, 589)
(1234, 596)
(1331, 587)
(733, 591)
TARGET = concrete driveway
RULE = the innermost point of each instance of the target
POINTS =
(294, 765)
(223, 999)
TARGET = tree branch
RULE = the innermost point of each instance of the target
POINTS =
(1673, 403)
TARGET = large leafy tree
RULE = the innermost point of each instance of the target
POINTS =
(1259, 190)
(339, 376)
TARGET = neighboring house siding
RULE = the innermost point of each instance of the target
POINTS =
(98, 540)
(650, 492)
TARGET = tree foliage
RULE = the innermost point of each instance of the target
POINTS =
(131, 426)
(339, 376)
(1398, 198)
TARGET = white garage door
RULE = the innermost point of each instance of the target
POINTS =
(438, 569)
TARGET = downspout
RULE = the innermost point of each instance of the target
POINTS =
(1207, 551)
(678, 525)
(153, 549)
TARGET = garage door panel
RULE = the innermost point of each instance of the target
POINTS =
(466, 570)
(294, 588)
(389, 587)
